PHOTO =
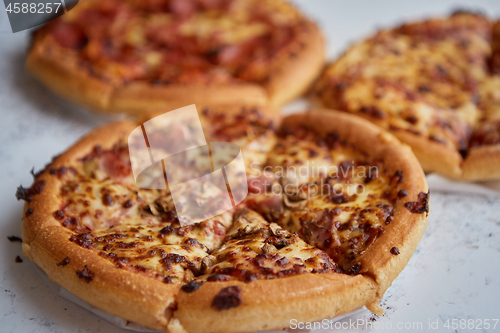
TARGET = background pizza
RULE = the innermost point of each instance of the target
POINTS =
(433, 84)
(452, 283)
(128, 56)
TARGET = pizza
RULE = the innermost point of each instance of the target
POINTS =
(129, 55)
(434, 84)
(335, 209)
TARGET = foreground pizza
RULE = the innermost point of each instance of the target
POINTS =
(335, 210)
(434, 84)
(128, 56)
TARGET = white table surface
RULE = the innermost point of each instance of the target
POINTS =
(454, 274)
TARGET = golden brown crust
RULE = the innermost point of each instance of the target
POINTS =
(271, 304)
(305, 297)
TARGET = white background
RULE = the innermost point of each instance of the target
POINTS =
(454, 273)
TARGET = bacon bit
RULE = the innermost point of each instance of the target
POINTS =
(107, 200)
(85, 274)
(206, 263)
(269, 249)
(141, 268)
(421, 206)
(436, 139)
(112, 163)
(166, 231)
(229, 297)
(97, 213)
(18, 259)
(59, 215)
(27, 194)
(64, 262)
(29, 211)
(70, 222)
(354, 270)
(194, 242)
(68, 35)
(127, 204)
(218, 277)
(332, 140)
(395, 251)
(14, 239)
(372, 111)
(127, 245)
(173, 258)
(338, 198)
(464, 152)
(424, 88)
(84, 240)
(191, 286)
(58, 172)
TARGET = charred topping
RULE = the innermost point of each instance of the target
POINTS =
(191, 286)
(85, 274)
(14, 239)
(421, 206)
(27, 194)
(354, 270)
(227, 298)
(372, 111)
(64, 262)
(18, 259)
(395, 251)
